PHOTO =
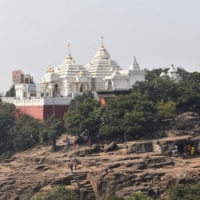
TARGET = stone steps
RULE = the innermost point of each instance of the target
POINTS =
(88, 187)
(84, 185)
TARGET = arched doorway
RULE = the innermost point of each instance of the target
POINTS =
(81, 87)
(109, 85)
(56, 90)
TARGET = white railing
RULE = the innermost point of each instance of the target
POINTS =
(40, 101)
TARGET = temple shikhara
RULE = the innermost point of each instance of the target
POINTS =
(60, 84)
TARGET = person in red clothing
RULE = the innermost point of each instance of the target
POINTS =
(89, 142)
(74, 145)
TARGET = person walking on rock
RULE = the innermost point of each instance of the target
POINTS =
(75, 163)
(67, 142)
(71, 167)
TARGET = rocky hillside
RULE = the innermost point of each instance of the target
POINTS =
(143, 165)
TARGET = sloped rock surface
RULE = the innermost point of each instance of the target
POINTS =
(99, 172)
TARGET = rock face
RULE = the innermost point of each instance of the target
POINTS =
(119, 168)
(110, 147)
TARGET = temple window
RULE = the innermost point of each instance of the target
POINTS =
(81, 88)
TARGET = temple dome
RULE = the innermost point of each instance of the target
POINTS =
(172, 69)
(102, 54)
(69, 59)
(102, 65)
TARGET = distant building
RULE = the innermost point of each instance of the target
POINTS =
(62, 83)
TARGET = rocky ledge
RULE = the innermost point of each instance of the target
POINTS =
(102, 169)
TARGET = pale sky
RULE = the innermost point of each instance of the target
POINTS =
(34, 34)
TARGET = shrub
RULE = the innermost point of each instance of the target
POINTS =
(184, 192)
(57, 193)
(138, 196)
(5, 155)
(113, 197)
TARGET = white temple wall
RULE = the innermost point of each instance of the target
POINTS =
(100, 84)
(64, 87)
(120, 84)
(133, 78)
(68, 86)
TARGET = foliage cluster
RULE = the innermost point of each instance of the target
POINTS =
(184, 192)
(174, 192)
(152, 103)
(21, 132)
(134, 196)
(58, 193)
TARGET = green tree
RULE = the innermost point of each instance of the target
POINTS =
(184, 192)
(138, 196)
(166, 110)
(52, 128)
(132, 113)
(189, 92)
(158, 89)
(7, 119)
(25, 132)
(154, 73)
(57, 193)
(83, 113)
(113, 197)
(11, 91)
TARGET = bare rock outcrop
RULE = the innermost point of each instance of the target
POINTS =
(99, 173)
(110, 147)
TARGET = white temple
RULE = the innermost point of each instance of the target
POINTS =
(101, 74)
(61, 84)
(69, 78)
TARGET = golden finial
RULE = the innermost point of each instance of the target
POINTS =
(68, 46)
(47, 70)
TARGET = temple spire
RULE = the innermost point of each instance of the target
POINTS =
(102, 40)
(134, 65)
(69, 58)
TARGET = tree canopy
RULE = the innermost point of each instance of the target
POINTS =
(82, 114)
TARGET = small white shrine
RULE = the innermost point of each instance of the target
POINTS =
(172, 74)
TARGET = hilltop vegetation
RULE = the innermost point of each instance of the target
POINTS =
(151, 106)
(146, 110)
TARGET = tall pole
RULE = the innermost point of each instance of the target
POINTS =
(53, 105)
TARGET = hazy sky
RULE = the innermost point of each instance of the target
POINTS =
(34, 33)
